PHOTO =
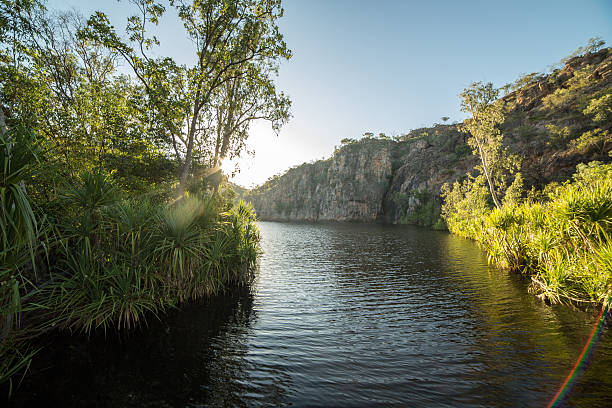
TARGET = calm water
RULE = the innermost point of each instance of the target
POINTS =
(342, 315)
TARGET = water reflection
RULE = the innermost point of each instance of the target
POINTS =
(194, 357)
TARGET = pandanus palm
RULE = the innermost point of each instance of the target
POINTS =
(18, 161)
(19, 235)
(178, 243)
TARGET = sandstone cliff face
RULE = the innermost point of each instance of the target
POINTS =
(348, 187)
(399, 181)
(426, 161)
(370, 180)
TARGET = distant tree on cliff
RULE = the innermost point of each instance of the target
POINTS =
(593, 45)
(480, 100)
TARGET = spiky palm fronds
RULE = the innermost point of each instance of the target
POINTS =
(564, 242)
(19, 231)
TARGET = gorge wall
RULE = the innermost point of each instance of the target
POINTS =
(350, 186)
(398, 180)
(367, 180)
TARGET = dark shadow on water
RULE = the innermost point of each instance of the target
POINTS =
(191, 357)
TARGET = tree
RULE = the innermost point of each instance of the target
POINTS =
(593, 45)
(485, 138)
(66, 90)
(237, 48)
(600, 107)
(239, 102)
(15, 28)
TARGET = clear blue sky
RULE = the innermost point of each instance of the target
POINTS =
(390, 65)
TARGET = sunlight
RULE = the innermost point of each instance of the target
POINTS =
(228, 166)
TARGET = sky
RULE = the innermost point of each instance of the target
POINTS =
(387, 65)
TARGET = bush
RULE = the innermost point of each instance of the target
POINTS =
(19, 240)
(112, 262)
(563, 244)
(124, 260)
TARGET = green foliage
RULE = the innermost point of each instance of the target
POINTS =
(593, 45)
(514, 193)
(563, 243)
(59, 75)
(462, 150)
(524, 81)
(20, 232)
(18, 160)
(348, 141)
(480, 100)
(573, 97)
(77, 138)
(526, 132)
(138, 258)
(600, 107)
(598, 139)
(559, 136)
(464, 204)
(418, 207)
(203, 111)
(14, 359)
(68, 92)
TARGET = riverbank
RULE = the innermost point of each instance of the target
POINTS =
(559, 237)
(92, 260)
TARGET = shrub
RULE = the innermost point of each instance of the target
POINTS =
(563, 243)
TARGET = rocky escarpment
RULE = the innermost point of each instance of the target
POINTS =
(399, 180)
(350, 186)
(367, 180)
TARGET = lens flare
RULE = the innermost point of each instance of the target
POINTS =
(581, 362)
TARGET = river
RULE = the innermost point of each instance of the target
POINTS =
(343, 315)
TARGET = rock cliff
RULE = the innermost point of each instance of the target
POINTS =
(398, 180)
(350, 186)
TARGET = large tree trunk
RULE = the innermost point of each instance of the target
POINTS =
(186, 164)
(197, 105)
(228, 127)
(485, 170)
(216, 161)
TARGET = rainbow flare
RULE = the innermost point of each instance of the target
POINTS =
(580, 363)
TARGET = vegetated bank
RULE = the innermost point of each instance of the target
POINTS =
(111, 203)
(545, 127)
(95, 259)
(561, 239)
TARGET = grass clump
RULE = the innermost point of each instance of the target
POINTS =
(562, 242)
(123, 260)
